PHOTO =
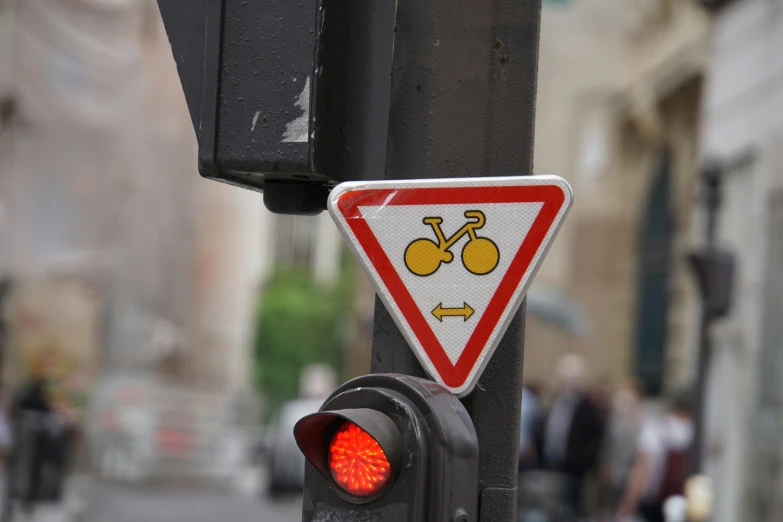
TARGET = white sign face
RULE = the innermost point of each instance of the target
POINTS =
(452, 259)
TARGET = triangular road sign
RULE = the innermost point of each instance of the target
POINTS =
(452, 259)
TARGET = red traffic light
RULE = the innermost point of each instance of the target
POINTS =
(392, 448)
(358, 450)
(357, 462)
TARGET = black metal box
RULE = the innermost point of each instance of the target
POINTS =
(282, 93)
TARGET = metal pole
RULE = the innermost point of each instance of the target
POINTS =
(463, 105)
(711, 176)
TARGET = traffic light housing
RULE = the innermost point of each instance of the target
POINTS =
(390, 448)
(285, 98)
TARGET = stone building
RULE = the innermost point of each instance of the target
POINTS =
(99, 188)
(618, 116)
(742, 129)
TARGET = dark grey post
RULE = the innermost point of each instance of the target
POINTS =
(463, 105)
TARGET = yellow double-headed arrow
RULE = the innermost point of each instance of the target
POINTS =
(466, 311)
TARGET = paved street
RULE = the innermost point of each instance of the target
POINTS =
(110, 503)
(88, 500)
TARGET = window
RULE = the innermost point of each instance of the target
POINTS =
(654, 258)
(294, 241)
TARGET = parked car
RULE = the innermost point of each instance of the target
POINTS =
(285, 463)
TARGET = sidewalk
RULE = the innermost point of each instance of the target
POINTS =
(109, 502)
(89, 499)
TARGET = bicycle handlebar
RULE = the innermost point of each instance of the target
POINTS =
(478, 216)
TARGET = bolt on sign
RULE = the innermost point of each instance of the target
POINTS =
(452, 259)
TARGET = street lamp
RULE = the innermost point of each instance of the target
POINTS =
(714, 270)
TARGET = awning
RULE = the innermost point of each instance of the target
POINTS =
(558, 310)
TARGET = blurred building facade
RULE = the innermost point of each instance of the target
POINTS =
(633, 97)
(742, 128)
(618, 116)
(100, 191)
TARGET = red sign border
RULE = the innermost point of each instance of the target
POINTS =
(553, 198)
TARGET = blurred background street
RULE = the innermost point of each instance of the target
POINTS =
(112, 503)
(170, 330)
(96, 501)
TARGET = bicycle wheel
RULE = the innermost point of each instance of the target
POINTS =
(423, 257)
(480, 256)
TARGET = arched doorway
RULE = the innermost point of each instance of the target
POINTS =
(654, 259)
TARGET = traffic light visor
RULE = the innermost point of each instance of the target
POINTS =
(358, 449)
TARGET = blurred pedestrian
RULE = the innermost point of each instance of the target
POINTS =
(572, 432)
(41, 420)
(31, 405)
(6, 435)
(531, 412)
(602, 394)
(6, 442)
(660, 469)
(63, 438)
(35, 394)
(619, 450)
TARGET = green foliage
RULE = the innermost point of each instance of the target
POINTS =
(299, 323)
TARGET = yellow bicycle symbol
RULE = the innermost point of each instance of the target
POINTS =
(480, 255)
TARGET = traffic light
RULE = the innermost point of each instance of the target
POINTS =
(284, 97)
(389, 447)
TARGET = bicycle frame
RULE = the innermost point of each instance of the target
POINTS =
(468, 228)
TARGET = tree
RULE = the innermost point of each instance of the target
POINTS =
(299, 323)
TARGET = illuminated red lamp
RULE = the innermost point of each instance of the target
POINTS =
(357, 462)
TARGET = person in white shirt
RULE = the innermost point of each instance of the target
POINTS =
(621, 442)
(660, 469)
